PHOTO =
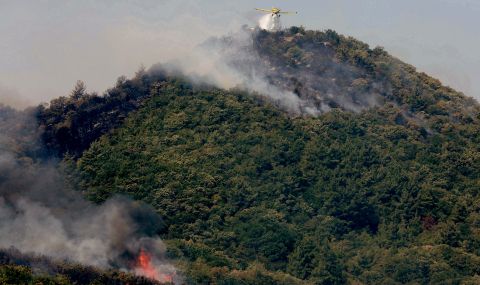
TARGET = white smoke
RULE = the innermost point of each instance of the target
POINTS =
(232, 63)
(270, 22)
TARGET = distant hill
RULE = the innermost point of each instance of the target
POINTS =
(379, 187)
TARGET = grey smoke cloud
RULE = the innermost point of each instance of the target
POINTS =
(231, 62)
(41, 213)
(312, 84)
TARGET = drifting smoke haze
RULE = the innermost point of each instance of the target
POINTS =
(42, 214)
(311, 82)
(231, 62)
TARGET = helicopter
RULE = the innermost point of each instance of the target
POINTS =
(275, 11)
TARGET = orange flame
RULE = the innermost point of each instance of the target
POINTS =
(146, 268)
(144, 263)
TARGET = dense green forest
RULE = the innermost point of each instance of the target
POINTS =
(251, 194)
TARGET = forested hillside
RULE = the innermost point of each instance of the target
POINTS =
(381, 193)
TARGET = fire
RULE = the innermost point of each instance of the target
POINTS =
(147, 269)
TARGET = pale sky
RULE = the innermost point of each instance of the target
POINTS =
(47, 45)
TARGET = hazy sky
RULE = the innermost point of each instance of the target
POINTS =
(46, 45)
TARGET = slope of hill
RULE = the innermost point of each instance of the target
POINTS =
(381, 189)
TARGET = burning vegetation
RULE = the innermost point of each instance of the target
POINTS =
(19, 268)
(146, 267)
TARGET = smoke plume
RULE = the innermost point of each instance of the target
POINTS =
(231, 62)
(41, 213)
(303, 77)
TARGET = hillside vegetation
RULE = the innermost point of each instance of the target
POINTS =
(388, 194)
